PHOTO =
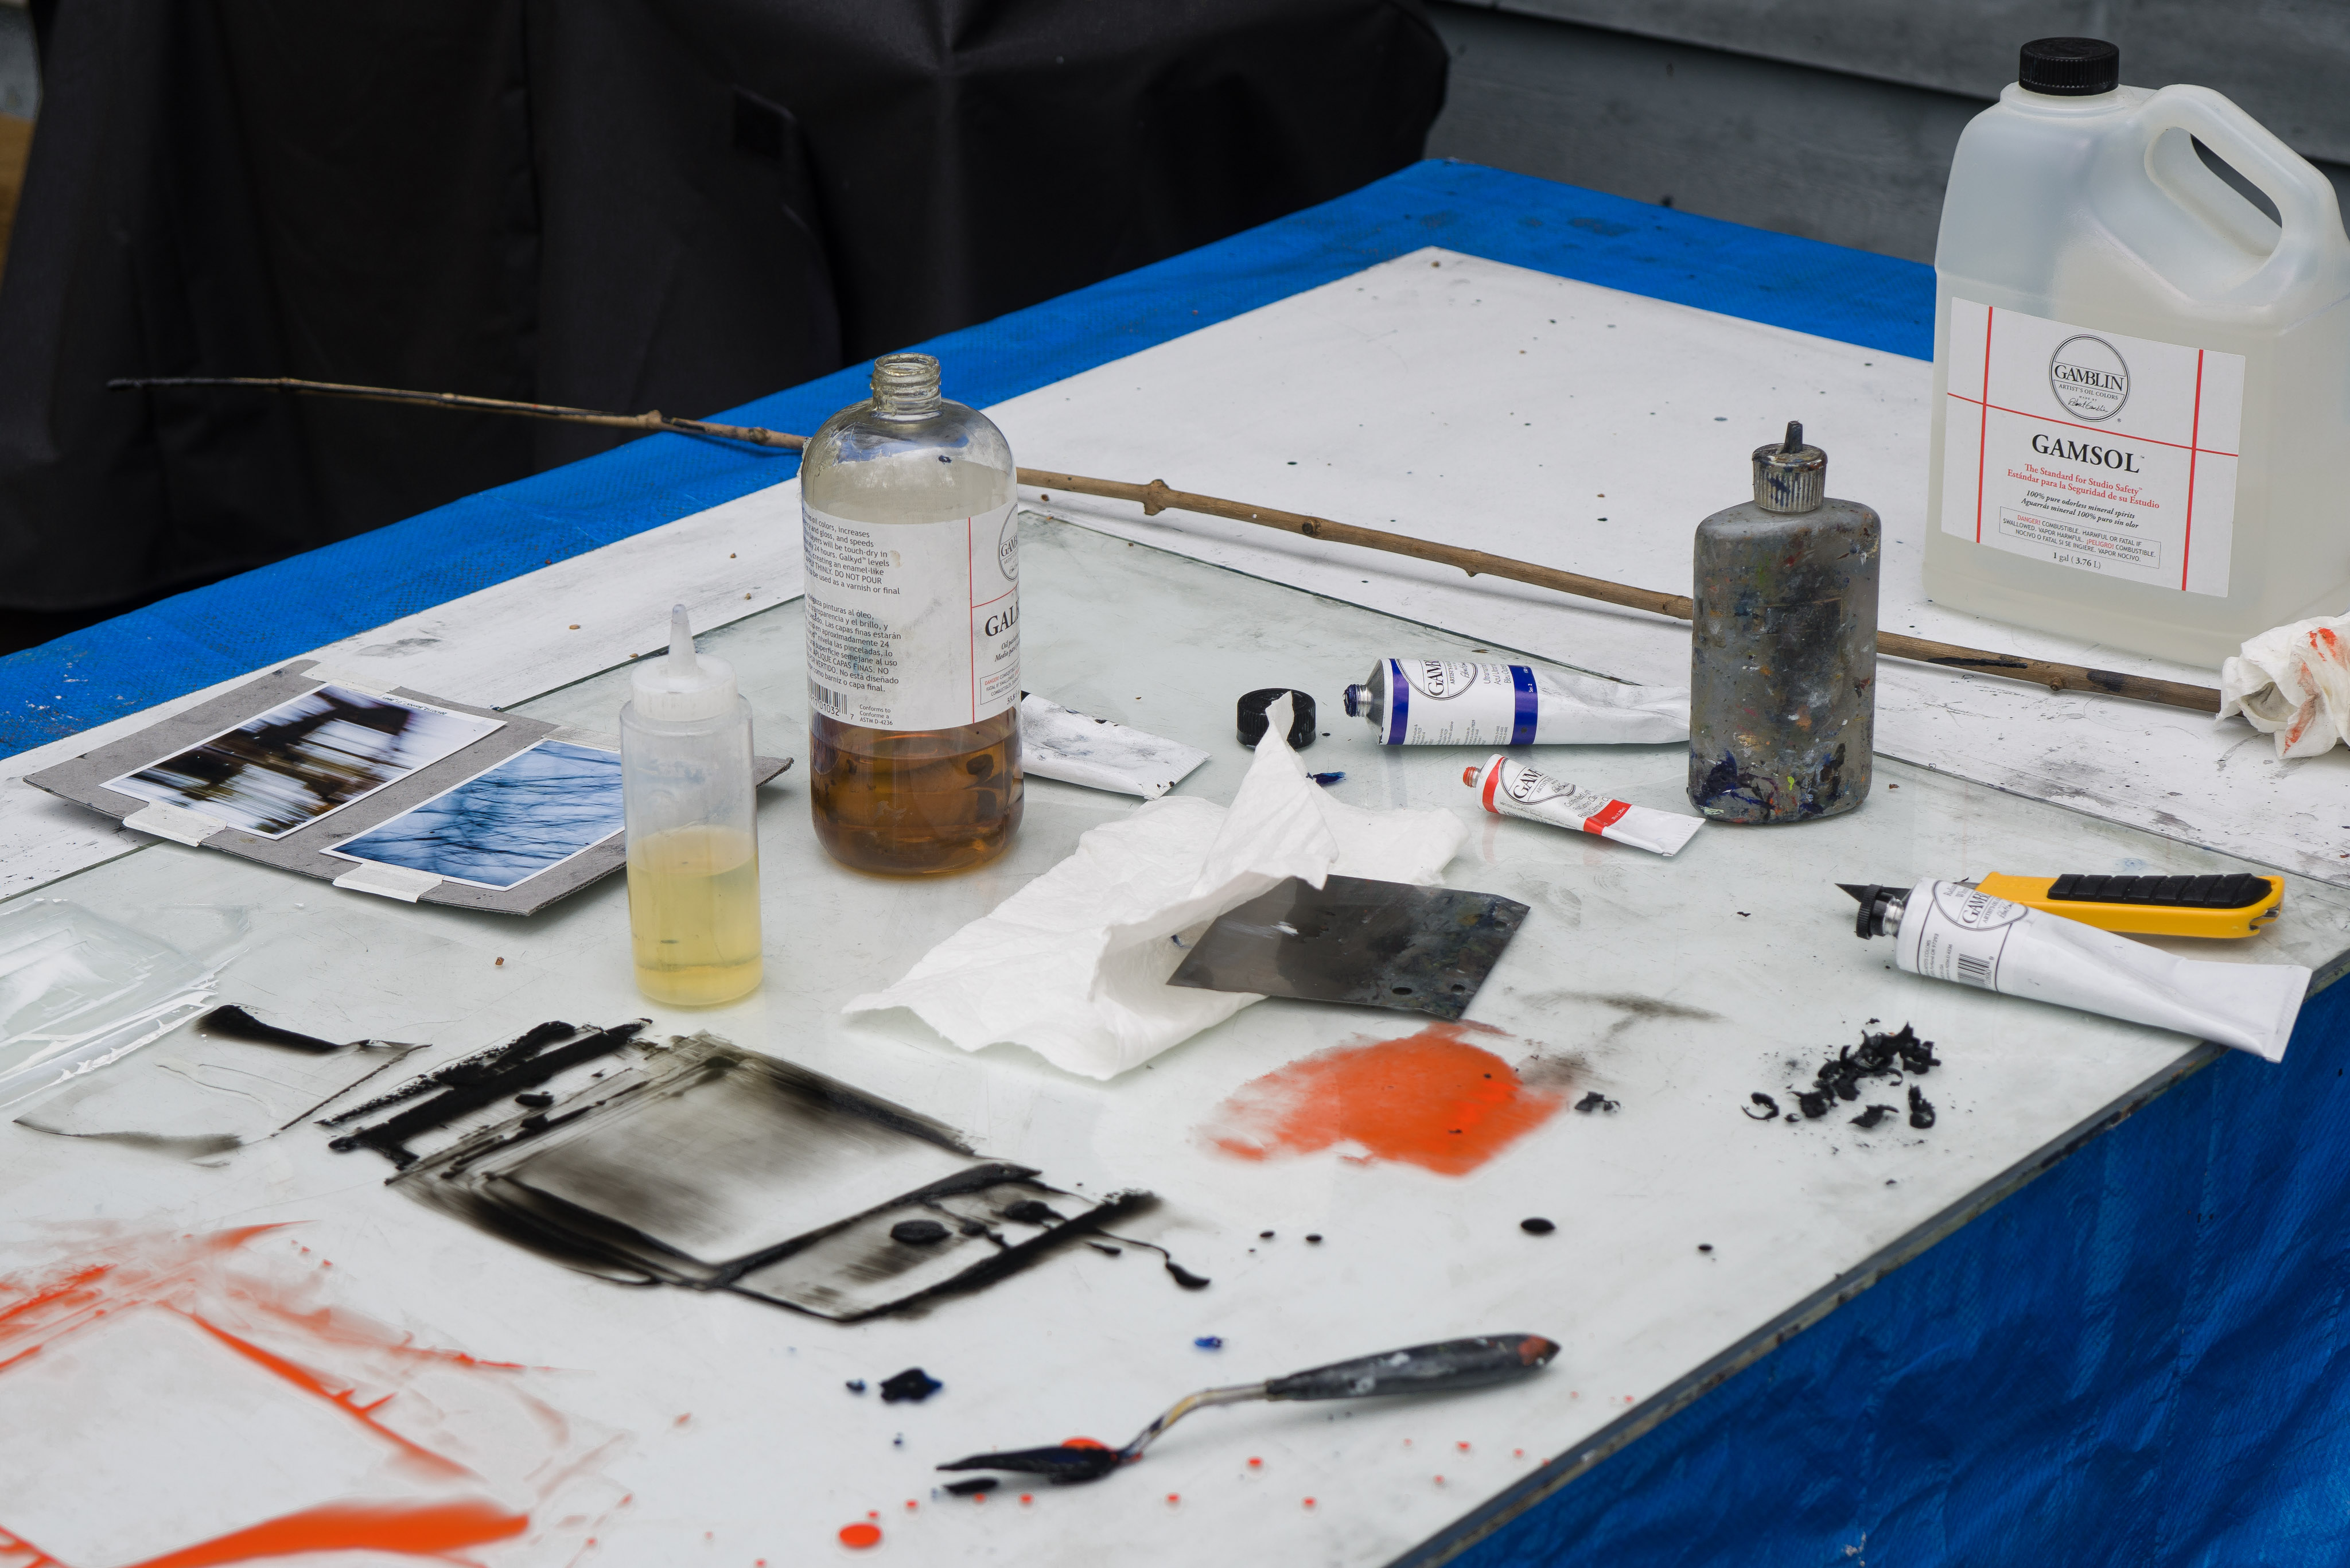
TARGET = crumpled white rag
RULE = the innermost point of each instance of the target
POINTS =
(2294, 683)
(1075, 965)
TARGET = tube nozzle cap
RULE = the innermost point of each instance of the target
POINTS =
(679, 686)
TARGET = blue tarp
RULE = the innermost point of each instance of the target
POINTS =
(2134, 1358)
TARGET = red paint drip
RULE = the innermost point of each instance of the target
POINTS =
(1430, 1100)
(858, 1537)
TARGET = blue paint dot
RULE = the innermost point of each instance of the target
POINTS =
(1208, 1341)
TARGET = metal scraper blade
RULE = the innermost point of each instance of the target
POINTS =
(1377, 944)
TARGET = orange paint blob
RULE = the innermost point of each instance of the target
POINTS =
(432, 1528)
(858, 1537)
(1430, 1100)
(1083, 1443)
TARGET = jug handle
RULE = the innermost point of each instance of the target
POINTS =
(2307, 210)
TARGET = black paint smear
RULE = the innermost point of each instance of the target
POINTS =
(1770, 1108)
(535, 1099)
(1103, 1247)
(1315, 1238)
(460, 1071)
(917, 1232)
(236, 1024)
(1032, 1211)
(1921, 1111)
(1536, 1226)
(857, 1385)
(483, 1086)
(974, 1486)
(1184, 1276)
(1880, 1056)
(1595, 1101)
(913, 1384)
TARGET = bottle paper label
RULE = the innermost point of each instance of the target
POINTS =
(912, 625)
(2092, 449)
(1950, 931)
(1436, 702)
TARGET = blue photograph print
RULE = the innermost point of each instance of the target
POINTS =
(530, 813)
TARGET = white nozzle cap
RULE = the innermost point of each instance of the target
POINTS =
(680, 687)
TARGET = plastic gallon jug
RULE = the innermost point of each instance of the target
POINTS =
(2141, 382)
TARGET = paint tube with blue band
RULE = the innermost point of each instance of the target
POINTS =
(1446, 702)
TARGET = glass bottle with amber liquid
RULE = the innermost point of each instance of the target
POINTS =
(913, 629)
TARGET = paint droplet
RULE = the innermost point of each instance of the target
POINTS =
(1026, 1498)
(1440, 1480)
(1462, 1446)
(1705, 1246)
(872, 1513)
(911, 1505)
(1517, 1453)
(682, 1420)
(1309, 1502)
(1210, 1342)
(1265, 1235)
(574, 626)
(1535, 1225)
(1256, 1464)
(1083, 1443)
(499, 964)
(1315, 1238)
(1173, 1498)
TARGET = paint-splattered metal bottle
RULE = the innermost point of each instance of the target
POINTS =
(1783, 647)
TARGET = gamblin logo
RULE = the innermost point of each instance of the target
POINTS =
(2089, 378)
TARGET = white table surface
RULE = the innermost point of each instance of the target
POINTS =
(1675, 987)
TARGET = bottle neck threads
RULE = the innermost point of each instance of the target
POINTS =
(906, 385)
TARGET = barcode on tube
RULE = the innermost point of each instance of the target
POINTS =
(1974, 971)
(826, 697)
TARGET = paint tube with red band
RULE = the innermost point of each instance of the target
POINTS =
(1450, 702)
(1507, 788)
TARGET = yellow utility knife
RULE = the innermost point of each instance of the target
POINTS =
(2235, 905)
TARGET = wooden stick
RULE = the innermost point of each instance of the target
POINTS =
(1156, 496)
(655, 421)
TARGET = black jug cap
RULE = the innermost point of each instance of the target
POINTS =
(1252, 723)
(2069, 67)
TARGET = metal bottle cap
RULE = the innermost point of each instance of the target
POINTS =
(1791, 476)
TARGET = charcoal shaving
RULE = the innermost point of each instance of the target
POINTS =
(1880, 1057)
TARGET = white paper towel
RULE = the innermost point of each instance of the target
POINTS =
(2293, 682)
(1075, 965)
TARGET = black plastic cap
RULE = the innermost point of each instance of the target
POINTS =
(1252, 716)
(2069, 67)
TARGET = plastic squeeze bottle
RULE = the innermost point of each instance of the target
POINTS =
(692, 825)
(913, 629)
(1783, 647)
(2141, 381)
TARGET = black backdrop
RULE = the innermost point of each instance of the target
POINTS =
(619, 204)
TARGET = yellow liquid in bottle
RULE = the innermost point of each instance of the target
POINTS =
(693, 915)
(915, 805)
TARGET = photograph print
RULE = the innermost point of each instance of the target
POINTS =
(286, 768)
(529, 814)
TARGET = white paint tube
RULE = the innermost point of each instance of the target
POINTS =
(1075, 748)
(1440, 702)
(1948, 931)
(1507, 788)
